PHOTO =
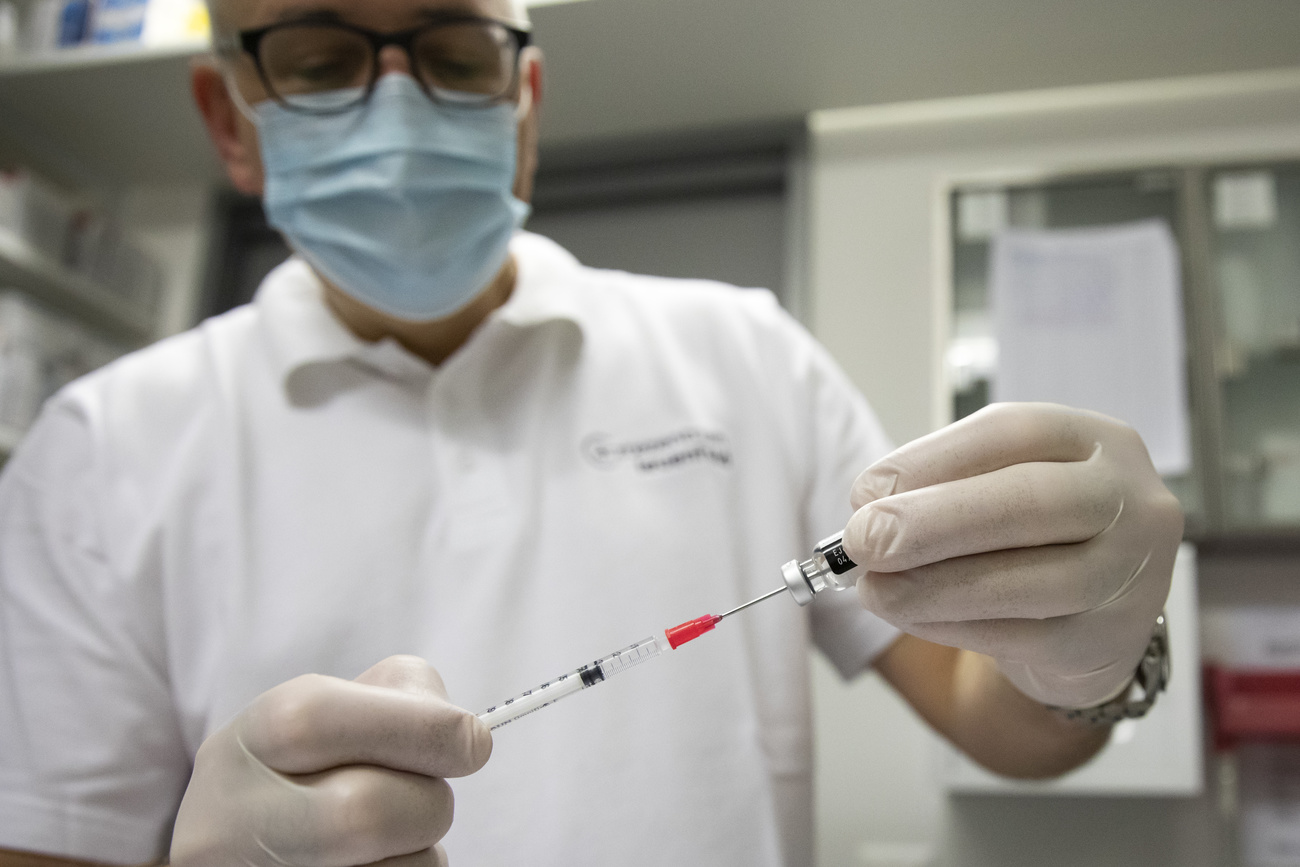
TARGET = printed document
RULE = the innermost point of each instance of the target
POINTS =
(1093, 318)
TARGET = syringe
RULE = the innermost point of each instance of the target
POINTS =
(829, 567)
(601, 670)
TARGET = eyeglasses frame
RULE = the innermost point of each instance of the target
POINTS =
(250, 42)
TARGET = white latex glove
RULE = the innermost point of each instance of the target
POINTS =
(1036, 534)
(323, 772)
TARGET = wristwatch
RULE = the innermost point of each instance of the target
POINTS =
(1151, 678)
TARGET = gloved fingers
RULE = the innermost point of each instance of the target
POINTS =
(412, 674)
(997, 436)
(1083, 641)
(1073, 660)
(434, 857)
(360, 815)
(1072, 690)
(314, 723)
(407, 673)
(1039, 582)
(1058, 660)
(1020, 506)
(1000, 638)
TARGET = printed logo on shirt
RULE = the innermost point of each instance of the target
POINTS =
(652, 454)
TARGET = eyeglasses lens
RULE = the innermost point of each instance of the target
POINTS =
(304, 65)
(325, 68)
(466, 60)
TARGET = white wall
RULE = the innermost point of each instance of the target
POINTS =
(624, 68)
(878, 281)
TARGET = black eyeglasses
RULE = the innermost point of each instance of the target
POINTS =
(326, 66)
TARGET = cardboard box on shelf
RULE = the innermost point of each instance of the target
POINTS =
(1252, 672)
(176, 22)
(99, 249)
(72, 231)
(9, 29)
(116, 21)
(36, 211)
(40, 352)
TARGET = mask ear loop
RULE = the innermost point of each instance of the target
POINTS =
(238, 98)
(525, 103)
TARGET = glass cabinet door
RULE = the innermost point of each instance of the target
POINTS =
(1076, 202)
(1255, 213)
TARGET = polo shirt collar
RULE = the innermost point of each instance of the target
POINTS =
(302, 331)
(545, 287)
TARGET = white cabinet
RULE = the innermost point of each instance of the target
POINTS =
(881, 293)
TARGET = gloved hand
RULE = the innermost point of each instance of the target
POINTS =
(1036, 534)
(323, 772)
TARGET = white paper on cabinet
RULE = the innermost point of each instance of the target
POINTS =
(1093, 318)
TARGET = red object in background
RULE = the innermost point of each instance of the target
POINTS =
(1253, 705)
(691, 630)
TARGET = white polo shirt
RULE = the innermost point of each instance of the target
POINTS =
(267, 495)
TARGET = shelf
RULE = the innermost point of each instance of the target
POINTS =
(1235, 363)
(22, 267)
(1264, 540)
(97, 56)
(9, 439)
(99, 116)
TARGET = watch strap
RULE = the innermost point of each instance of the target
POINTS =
(1150, 679)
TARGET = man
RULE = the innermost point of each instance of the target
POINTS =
(430, 435)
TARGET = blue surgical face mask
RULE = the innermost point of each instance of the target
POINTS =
(403, 203)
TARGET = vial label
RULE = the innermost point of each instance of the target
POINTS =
(837, 559)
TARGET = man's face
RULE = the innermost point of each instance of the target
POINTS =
(242, 155)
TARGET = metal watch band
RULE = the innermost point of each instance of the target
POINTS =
(1150, 679)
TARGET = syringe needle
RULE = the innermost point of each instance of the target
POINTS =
(775, 592)
(693, 629)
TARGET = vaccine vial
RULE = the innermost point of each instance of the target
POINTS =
(828, 568)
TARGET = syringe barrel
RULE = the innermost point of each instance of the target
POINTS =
(830, 567)
(575, 681)
(534, 699)
(624, 659)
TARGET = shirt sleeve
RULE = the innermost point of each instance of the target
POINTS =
(92, 763)
(846, 438)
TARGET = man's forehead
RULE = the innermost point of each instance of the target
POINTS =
(235, 14)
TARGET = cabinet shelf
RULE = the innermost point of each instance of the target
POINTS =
(1246, 541)
(24, 268)
(97, 115)
(97, 56)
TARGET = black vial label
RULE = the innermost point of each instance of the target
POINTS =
(837, 559)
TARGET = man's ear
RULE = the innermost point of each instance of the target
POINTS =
(233, 134)
(530, 102)
(532, 62)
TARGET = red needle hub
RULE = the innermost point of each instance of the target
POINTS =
(691, 630)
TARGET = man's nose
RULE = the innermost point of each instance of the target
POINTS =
(392, 58)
